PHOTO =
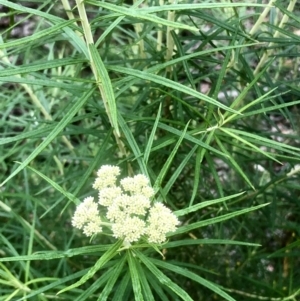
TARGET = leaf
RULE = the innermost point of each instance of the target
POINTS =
(41, 65)
(67, 194)
(49, 255)
(189, 137)
(58, 128)
(134, 147)
(184, 272)
(238, 134)
(151, 137)
(199, 159)
(144, 282)
(215, 220)
(156, 286)
(77, 41)
(120, 291)
(167, 164)
(163, 279)
(107, 92)
(178, 171)
(138, 14)
(135, 277)
(36, 36)
(38, 292)
(113, 277)
(234, 162)
(193, 6)
(205, 204)
(230, 132)
(171, 84)
(107, 256)
(37, 133)
(189, 242)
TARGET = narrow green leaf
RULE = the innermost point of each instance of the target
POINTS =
(178, 171)
(268, 109)
(107, 256)
(120, 291)
(95, 286)
(214, 173)
(108, 93)
(151, 137)
(200, 155)
(38, 133)
(132, 143)
(58, 128)
(33, 67)
(245, 91)
(111, 27)
(158, 67)
(144, 282)
(94, 164)
(47, 82)
(46, 32)
(252, 103)
(233, 162)
(291, 15)
(190, 138)
(216, 86)
(77, 41)
(49, 255)
(181, 53)
(171, 84)
(163, 279)
(230, 131)
(114, 275)
(58, 283)
(135, 277)
(191, 242)
(194, 6)
(67, 194)
(138, 14)
(167, 164)
(24, 9)
(283, 251)
(265, 142)
(192, 276)
(156, 286)
(205, 204)
(215, 220)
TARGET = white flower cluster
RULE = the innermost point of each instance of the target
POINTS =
(127, 209)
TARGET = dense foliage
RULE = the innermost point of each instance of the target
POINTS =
(202, 97)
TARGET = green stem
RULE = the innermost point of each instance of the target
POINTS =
(170, 41)
(261, 18)
(269, 52)
(88, 36)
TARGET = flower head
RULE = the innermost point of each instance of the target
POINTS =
(106, 177)
(93, 227)
(161, 220)
(86, 217)
(108, 195)
(127, 209)
(115, 212)
(138, 184)
(130, 229)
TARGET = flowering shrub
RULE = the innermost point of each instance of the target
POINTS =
(126, 209)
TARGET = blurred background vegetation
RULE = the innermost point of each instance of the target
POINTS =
(42, 78)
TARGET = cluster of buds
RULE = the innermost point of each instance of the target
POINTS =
(126, 209)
